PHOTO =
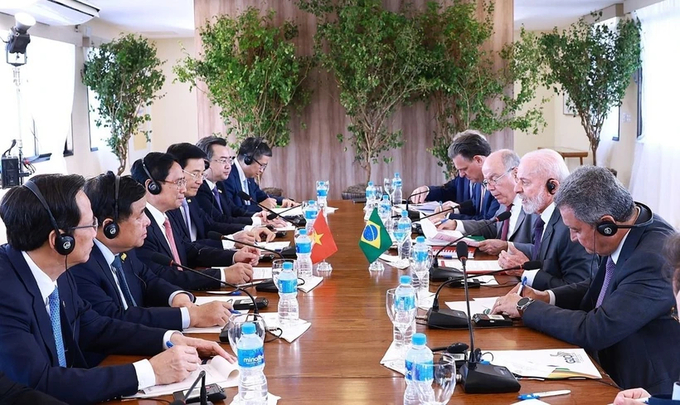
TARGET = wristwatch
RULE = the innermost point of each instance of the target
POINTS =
(522, 304)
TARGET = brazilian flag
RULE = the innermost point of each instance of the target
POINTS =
(374, 239)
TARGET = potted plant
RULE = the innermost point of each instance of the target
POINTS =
(125, 76)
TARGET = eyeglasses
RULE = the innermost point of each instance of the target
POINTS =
(195, 176)
(263, 167)
(95, 225)
(179, 183)
(224, 161)
(495, 181)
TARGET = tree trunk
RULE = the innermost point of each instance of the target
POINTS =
(594, 143)
(368, 172)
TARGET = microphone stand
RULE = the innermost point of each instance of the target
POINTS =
(218, 236)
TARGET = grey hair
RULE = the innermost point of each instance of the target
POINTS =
(550, 165)
(469, 144)
(593, 192)
(206, 143)
(509, 157)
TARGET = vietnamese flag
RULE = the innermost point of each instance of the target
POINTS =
(323, 245)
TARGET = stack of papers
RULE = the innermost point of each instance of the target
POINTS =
(552, 364)
(435, 237)
(426, 207)
(475, 266)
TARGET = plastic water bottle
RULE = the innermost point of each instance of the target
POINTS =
(385, 211)
(322, 195)
(397, 194)
(303, 248)
(370, 199)
(403, 235)
(289, 311)
(420, 270)
(311, 212)
(419, 372)
(400, 338)
(404, 303)
(252, 383)
(420, 255)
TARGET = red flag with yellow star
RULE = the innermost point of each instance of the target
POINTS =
(323, 245)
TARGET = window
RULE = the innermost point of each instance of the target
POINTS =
(98, 135)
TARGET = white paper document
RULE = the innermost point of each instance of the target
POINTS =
(288, 212)
(271, 399)
(394, 359)
(290, 332)
(427, 301)
(310, 283)
(426, 207)
(262, 273)
(547, 363)
(289, 227)
(394, 261)
(475, 266)
(531, 402)
(236, 299)
(477, 305)
(273, 245)
(436, 237)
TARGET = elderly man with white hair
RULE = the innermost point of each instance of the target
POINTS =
(564, 261)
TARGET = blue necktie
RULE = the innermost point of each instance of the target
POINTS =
(56, 326)
(216, 193)
(608, 273)
(117, 267)
(538, 235)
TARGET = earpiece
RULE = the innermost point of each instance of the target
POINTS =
(112, 229)
(609, 228)
(64, 243)
(249, 158)
(551, 185)
(153, 187)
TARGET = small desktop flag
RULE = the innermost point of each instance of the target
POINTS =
(374, 239)
(323, 245)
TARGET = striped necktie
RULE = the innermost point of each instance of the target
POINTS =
(117, 267)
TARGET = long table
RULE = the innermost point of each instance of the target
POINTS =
(337, 361)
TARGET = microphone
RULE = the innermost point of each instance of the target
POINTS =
(478, 377)
(530, 265)
(297, 221)
(283, 254)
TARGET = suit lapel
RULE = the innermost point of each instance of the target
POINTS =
(520, 220)
(106, 269)
(548, 233)
(156, 230)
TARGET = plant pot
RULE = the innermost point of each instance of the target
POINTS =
(355, 192)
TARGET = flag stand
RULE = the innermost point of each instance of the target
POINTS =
(376, 266)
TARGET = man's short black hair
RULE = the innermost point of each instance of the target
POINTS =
(469, 144)
(182, 152)
(101, 192)
(206, 143)
(26, 219)
(157, 163)
(255, 147)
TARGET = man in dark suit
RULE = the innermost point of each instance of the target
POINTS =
(251, 161)
(12, 393)
(498, 170)
(539, 175)
(625, 317)
(468, 152)
(44, 324)
(115, 282)
(165, 185)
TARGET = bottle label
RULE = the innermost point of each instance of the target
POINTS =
(251, 357)
(405, 303)
(409, 370)
(420, 256)
(321, 193)
(287, 286)
(303, 248)
(423, 371)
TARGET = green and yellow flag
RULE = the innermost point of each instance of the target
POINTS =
(374, 239)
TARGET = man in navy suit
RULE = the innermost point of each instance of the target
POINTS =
(498, 170)
(165, 185)
(12, 393)
(564, 261)
(115, 282)
(468, 153)
(625, 317)
(251, 161)
(44, 324)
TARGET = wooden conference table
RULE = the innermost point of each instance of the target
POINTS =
(337, 361)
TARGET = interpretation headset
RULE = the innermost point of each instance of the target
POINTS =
(63, 243)
(551, 185)
(112, 229)
(249, 158)
(609, 228)
(153, 187)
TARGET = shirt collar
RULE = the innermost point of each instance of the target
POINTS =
(106, 252)
(156, 215)
(517, 202)
(547, 213)
(210, 184)
(241, 175)
(45, 284)
(615, 254)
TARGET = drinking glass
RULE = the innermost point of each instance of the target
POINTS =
(443, 371)
(277, 266)
(235, 323)
(388, 186)
(401, 319)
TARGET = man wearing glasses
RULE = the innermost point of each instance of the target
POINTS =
(499, 180)
(252, 160)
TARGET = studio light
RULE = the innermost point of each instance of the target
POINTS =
(19, 39)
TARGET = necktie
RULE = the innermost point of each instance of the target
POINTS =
(482, 192)
(171, 241)
(216, 193)
(186, 214)
(56, 326)
(538, 235)
(608, 273)
(117, 266)
(506, 225)
(246, 189)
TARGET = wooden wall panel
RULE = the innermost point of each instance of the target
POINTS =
(315, 153)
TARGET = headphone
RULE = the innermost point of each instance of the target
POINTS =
(249, 158)
(153, 187)
(551, 185)
(609, 228)
(63, 243)
(112, 229)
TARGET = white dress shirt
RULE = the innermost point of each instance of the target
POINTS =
(243, 180)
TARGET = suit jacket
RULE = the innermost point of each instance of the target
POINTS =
(634, 334)
(28, 354)
(97, 286)
(232, 186)
(12, 393)
(523, 232)
(457, 190)
(564, 261)
(230, 213)
(191, 254)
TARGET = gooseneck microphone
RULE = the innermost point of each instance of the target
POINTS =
(218, 236)
(478, 377)
(297, 221)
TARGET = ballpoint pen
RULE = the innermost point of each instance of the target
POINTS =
(521, 287)
(233, 311)
(538, 395)
(169, 344)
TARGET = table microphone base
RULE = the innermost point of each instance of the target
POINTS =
(478, 378)
(447, 319)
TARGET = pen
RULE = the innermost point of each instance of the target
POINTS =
(233, 311)
(538, 395)
(169, 344)
(521, 287)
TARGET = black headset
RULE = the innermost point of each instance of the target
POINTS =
(63, 243)
(551, 185)
(153, 187)
(609, 228)
(112, 229)
(249, 158)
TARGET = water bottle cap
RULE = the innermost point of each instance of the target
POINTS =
(370, 183)
(303, 232)
(312, 202)
(405, 280)
(396, 174)
(419, 339)
(248, 328)
(420, 239)
(404, 213)
(287, 265)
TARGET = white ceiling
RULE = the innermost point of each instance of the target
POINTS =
(542, 15)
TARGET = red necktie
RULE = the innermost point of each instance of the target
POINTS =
(171, 241)
(506, 225)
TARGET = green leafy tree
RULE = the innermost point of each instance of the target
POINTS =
(375, 57)
(252, 73)
(464, 89)
(593, 64)
(125, 75)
